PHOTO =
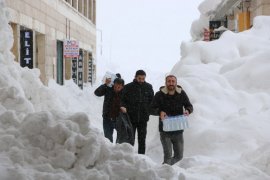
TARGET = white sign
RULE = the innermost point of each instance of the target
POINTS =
(71, 48)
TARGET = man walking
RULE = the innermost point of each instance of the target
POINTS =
(171, 100)
(136, 100)
(111, 104)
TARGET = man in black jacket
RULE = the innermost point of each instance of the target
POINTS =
(136, 100)
(171, 100)
(111, 104)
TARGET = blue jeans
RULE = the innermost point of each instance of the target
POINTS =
(108, 127)
(171, 141)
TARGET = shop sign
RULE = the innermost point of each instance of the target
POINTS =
(90, 69)
(80, 70)
(215, 35)
(206, 35)
(26, 48)
(74, 69)
(212, 26)
(71, 48)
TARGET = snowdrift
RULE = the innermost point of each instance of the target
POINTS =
(46, 132)
(228, 82)
(53, 132)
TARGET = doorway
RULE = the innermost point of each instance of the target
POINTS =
(59, 64)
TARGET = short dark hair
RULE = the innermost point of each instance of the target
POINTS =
(119, 81)
(140, 72)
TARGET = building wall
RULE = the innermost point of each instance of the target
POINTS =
(259, 7)
(16, 44)
(233, 19)
(53, 20)
(266, 8)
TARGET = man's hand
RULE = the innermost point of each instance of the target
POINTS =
(123, 109)
(186, 113)
(108, 81)
(162, 115)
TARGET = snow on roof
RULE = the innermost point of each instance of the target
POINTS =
(221, 28)
(220, 11)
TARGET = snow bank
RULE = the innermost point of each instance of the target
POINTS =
(228, 83)
(51, 132)
(206, 8)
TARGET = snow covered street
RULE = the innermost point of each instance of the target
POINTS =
(55, 132)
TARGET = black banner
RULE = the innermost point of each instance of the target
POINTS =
(74, 69)
(215, 35)
(214, 25)
(90, 69)
(26, 48)
(80, 69)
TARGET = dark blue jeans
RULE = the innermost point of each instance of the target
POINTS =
(171, 141)
(108, 127)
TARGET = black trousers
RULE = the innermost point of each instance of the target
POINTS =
(108, 127)
(141, 128)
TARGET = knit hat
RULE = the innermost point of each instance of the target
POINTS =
(170, 75)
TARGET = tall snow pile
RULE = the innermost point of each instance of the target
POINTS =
(43, 136)
(228, 83)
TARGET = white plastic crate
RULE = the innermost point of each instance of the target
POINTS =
(175, 123)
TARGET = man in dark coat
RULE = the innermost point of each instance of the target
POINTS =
(171, 100)
(111, 104)
(136, 100)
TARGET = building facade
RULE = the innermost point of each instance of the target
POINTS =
(43, 28)
(236, 15)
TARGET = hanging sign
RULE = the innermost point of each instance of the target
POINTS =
(71, 48)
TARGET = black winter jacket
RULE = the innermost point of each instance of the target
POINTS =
(172, 105)
(108, 94)
(137, 99)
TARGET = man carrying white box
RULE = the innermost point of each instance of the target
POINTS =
(173, 106)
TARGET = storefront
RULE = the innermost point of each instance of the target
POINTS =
(39, 38)
(237, 15)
